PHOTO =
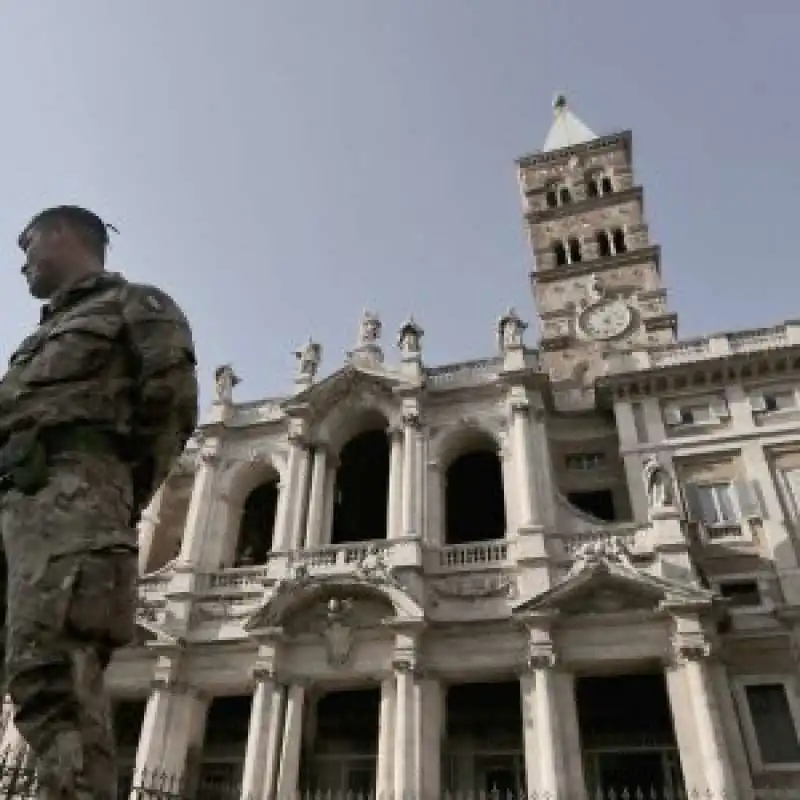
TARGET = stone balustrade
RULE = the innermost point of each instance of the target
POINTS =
(469, 557)
(706, 347)
(467, 373)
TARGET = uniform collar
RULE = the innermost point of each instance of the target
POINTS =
(71, 293)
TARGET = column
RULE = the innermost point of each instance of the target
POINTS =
(147, 528)
(430, 706)
(173, 722)
(510, 493)
(691, 687)
(410, 434)
(385, 787)
(628, 439)
(316, 503)
(289, 773)
(654, 420)
(263, 738)
(544, 757)
(395, 510)
(13, 748)
(421, 485)
(281, 515)
(520, 431)
(200, 507)
(407, 735)
(330, 499)
(299, 471)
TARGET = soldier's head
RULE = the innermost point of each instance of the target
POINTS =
(62, 245)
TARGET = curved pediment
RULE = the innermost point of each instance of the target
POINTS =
(373, 589)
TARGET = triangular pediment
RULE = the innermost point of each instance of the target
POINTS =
(605, 587)
(348, 382)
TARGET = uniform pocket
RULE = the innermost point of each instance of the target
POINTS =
(74, 349)
(104, 598)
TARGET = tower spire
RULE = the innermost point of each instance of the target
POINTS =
(567, 129)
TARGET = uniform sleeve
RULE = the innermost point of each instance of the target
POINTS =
(166, 393)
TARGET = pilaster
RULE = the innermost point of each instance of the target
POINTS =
(201, 505)
(628, 439)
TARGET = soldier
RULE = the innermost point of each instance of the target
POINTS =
(95, 408)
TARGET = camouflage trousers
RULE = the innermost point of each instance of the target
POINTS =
(67, 610)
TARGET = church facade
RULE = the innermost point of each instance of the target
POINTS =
(564, 571)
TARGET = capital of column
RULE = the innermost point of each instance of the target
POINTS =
(688, 647)
(540, 655)
(261, 673)
(395, 432)
(407, 664)
(209, 455)
(411, 419)
(297, 432)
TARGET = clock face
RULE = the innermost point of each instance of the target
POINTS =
(606, 320)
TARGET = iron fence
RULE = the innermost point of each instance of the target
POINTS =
(18, 782)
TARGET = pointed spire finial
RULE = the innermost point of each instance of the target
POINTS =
(567, 129)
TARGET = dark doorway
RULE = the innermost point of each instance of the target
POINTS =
(343, 752)
(362, 489)
(483, 747)
(258, 525)
(627, 735)
(475, 509)
(224, 745)
(598, 503)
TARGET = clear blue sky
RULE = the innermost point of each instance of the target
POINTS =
(277, 165)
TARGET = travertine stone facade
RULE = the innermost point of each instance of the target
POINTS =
(570, 569)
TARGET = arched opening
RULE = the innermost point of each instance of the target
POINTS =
(591, 188)
(564, 195)
(575, 255)
(257, 526)
(603, 244)
(607, 185)
(620, 245)
(552, 198)
(474, 501)
(560, 253)
(361, 492)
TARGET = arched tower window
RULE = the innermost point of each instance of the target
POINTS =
(592, 189)
(575, 255)
(475, 508)
(551, 198)
(618, 238)
(257, 526)
(560, 253)
(361, 492)
(603, 244)
(564, 195)
(606, 184)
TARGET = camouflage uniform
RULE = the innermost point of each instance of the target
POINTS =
(103, 397)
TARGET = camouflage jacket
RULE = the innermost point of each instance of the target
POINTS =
(116, 355)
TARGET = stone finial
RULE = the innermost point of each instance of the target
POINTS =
(308, 358)
(409, 339)
(225, 381)
(510, 330)
(368, 350)
(369, 330)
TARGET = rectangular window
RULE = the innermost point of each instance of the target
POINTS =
(740, 593)
(773, 723)
(792, 479)
(585, 462)
(778, 401)
(717, 504)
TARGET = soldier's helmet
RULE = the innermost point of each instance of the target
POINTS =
(76, 215)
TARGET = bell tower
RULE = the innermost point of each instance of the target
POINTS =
(597, 276)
